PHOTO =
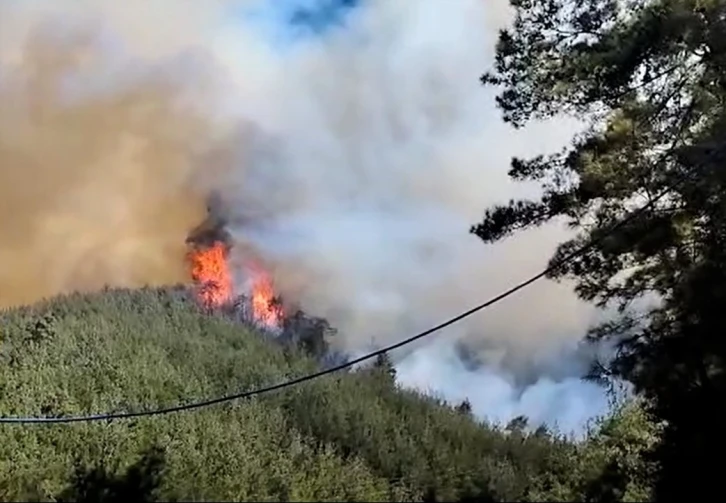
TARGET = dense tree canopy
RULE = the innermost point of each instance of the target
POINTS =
(649, 79)
(353, 436)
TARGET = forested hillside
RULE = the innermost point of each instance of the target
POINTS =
(353, 436)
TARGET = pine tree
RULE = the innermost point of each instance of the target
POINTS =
(649, 77)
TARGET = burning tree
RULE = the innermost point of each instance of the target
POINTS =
(210, 273)
(210, 245)
(212, 276)
(209, 251)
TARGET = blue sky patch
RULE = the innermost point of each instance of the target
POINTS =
(285, 22)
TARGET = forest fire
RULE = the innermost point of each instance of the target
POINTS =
(265, 308)
(240, 287)
(211, 273)
(210, 245)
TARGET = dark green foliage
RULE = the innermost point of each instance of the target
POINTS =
(649, 77)
(464, 407)
(352, 436)
(140, 482)
(384, 367)
(310, 334)
(517, 424)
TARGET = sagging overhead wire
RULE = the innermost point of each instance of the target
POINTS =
(315, 375)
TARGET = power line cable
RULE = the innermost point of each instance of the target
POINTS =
(315, 375)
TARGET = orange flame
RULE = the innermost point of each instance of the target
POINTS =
(210, 271)
(265, 309)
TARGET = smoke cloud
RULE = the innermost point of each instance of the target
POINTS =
(97, 153)
(352, 159)
(372, 150)
(370, 153)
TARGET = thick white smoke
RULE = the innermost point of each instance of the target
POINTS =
(371, 150)
(355, 162)
(563, 403)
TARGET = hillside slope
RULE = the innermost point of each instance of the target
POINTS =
(354, 436)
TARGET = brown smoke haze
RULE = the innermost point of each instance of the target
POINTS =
(96, 188)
